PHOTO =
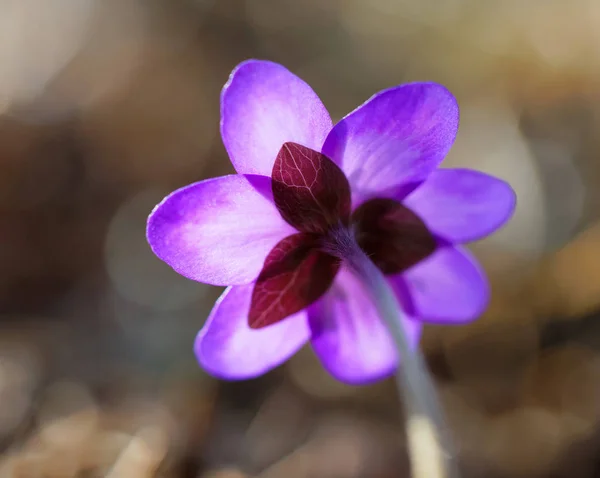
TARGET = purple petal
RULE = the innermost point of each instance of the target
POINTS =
(391, 143)
(263, 105)
(218, 231)
(461, 205)
(448, 286)
(228, 348)
(349, 337)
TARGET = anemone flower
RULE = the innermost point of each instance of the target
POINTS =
(311, 202)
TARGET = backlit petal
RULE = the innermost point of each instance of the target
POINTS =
(448, 287)
(348, 335)
(263, 105)
(391, 143)
(218, 231)
(228, 348)
(462, 205)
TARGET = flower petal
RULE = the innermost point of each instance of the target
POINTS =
(228, 348)
(391, 143)
(448, 286)
(462, 205)
(263, 105)
(349, 337)
(218, 231)
(310, 191)
(296, 274)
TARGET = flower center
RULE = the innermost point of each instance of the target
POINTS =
(313, 195)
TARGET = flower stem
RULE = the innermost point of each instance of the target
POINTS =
(428, 442)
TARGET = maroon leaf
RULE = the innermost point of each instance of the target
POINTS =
(310, 190)
(294, 276)
(392, 235)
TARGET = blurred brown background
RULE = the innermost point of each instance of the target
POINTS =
(107, 105)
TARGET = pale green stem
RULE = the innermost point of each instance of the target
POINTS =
(427, 434)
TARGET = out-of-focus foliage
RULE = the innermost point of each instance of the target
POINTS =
(107, 105)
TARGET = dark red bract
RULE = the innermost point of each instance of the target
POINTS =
(393, 236)
(296, 273)
(313, 195)
(310, 191)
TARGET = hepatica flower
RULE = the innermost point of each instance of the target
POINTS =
(309, 197)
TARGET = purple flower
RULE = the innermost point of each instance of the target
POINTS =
(304, 186)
